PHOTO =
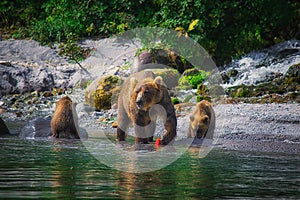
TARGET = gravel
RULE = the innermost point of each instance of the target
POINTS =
(246, 127)
(258, 127)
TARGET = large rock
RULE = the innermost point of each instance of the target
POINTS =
(170, 76)
(17, 79)
(38, 127)
(103, 92)
(31, 52)
(160, 58)
(25, 66)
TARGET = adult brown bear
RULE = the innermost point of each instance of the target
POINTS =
(64, 121)
(142, 99)
(202, 121)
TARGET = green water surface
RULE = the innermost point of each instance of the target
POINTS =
(66, 170)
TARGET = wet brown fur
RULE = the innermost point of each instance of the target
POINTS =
(150, 92)
(64, 121)
(202, 121)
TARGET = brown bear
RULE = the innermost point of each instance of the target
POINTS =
(202, 121)
(142, 99)
(64, 121)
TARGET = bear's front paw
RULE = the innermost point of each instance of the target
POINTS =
(166, 141)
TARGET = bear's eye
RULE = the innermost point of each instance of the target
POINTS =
(146, 91)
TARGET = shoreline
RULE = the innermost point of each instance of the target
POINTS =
(238, 124)
(267, 128)
(273, 128)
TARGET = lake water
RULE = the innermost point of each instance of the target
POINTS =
(66, 169)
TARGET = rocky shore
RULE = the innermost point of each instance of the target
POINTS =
(259, 127)
(34, 77)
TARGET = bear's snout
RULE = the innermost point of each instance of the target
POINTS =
(139, 103)
(200, 132)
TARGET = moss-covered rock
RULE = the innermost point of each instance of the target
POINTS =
(281, 89)
(200, 98)
(102, 93)
(191, 72)
(293, 71)
(202, 89)
(170, 76)
(227, 76)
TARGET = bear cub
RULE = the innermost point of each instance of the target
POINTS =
(202, 121)
(64, 121)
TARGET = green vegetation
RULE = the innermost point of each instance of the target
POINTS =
(196, 79)
(72, 50)
(192, 78)
(225, 28)
(175, 100)
(200, 98)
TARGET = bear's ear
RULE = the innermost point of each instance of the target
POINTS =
(133, 82)
(158, 80)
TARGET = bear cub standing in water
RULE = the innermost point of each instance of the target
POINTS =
(64, 121)
(202, 121)
(143, 98)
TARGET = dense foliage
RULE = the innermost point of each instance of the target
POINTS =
(193, 80)
(226, 28)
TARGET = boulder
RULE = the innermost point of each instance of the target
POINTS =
(293, 71)
(103, 92)
(38, 127)
(160, 58)
(170, 76)
(18, 79)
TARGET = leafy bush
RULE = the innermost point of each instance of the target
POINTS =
(225, 28)
(193, 80)
(175, 100)
(72, 50)
(200, 98)
(63, 17)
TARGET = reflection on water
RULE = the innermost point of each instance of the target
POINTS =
(65, 169)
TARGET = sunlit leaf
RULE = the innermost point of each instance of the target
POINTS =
(193, 24)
